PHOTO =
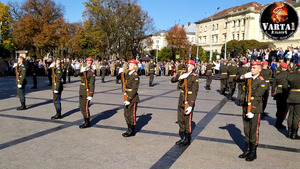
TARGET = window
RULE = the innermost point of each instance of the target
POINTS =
(213, 27)
(238, 23)
(204, 39)
(233, 23)
(225, 25)
(217, 26)
(205, 29)
(199, 39)
(233, 36)
(216, 39)
(224, 37)
(243, 36)
(238, 36)
(192, 39)
(201, 29)
(242, 22)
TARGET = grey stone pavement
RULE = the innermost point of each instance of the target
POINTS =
(29, 139)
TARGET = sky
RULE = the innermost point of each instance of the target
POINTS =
(165, 13)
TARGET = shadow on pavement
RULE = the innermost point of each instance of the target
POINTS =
(142, 121)
(272, 122)
(236, 135)
(71, 112)
(104, 115)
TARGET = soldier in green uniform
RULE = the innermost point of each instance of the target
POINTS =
(103, 69)
(223, 77)
(232, 71)
(241, 92)
(132, 82)
(151, 73)
(292, 68)
(208, 75)
(68, 66)
(34, 70)
(21, 81)
(294, 103)
(278, 69)
(280, 94)
(267, 75)
(118, 66)
(86, 90)
(64, 71)
(57, 87)
(186, 107)
(252, 108)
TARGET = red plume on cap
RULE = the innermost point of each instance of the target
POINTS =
(133, 61)
(265, 63)
(89, 59)
(283, 65)
(244, 62)
(191, 62)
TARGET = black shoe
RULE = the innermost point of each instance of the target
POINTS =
(33, 87)
(103, 81)
(186, 141)
(289, 135)
(182, 138)
(130, 131)
(86, 123)
(295, 136)
(246, 153)
(252, 155)
(280, 126)
(23, 107)
(57, 116)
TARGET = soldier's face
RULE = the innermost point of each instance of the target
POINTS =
(132, 66)
(88, 64)
(255, 70)
(190, 67)
(20, 61)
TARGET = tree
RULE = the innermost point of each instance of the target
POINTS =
(177, 40)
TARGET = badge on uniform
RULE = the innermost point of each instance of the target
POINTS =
(136, 79)
(197, 80)
(263, 85)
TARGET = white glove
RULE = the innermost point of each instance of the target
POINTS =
(83, 69)
(89, 98)
(19, 86)
(52, 65)
(250, 115)
(248, 75)
(188, 110)
(183, 76)
(55, 91)
(126, 103)
(15, 65)
(121, 70)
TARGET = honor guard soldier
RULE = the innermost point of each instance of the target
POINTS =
(292, 68)
(57, 87)
(223, 77)
(64, 71)
(294, 103)
(151, 73)
(232, 71)
(69, 69)
(86, 91)
(34, 68)
(189, 89)
(103, 69)
(280, 94)
(208, 75)
(118, 66)
(21, 81)
(241, 92)
(254, 90)
(267, 75)
(130, 86)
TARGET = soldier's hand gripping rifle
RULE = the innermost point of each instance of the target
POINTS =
(123, 86)
(17, 74)
(249, 97)
(54, 80)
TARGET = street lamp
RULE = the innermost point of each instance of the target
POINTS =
(211, 20)
(0, 31)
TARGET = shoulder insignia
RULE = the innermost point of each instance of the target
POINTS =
(136, 78)
(261, 78)
(263, 85)
(197, 80)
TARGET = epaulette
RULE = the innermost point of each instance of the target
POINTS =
(92, 70)
(135, 73)
(194, 74)
(261, 78)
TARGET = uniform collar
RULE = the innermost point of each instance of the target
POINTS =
(130, 73)
(254, 77)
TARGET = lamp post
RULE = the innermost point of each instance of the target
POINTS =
(211, 20)
(0, 32)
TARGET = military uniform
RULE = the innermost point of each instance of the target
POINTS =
(151, 73)
(223, 79)
(208, 76)
(22, 81)
(34, 68)
(118, 66)
(277, 70)
(292, 69)
(251, 125)
(294, 103)
(112, 69)
(185, 121)
(267, 75)
(241, 85)
(103, 69)
(57, 86)
(68, 70)
(83, 102)
(280, 94)
(232, 71)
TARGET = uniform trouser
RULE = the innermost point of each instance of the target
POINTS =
(282, 109)
(21, 94)
(84, 106)
(49, 76)
(34, 79)
(112, 72)
(294, 116)
(265, 99)
(208, 80)
(57, 100)
(130, 113)
(231, 88)
(151, 78)
(184, 121)
(223, 84)
(64, 76)
(251, 128)
(103, 74)
(69, 76)
(98, 72)
(241, 93)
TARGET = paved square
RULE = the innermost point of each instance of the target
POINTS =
(29, 139)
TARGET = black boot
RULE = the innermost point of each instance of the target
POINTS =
(130, 131)
(295, 135)
(23, 106)
(223, 92)
(182, 136)
(57, 116)
(186, 141)
(252, 155)
(246, 153)
(86, 123)
(289, 135)
(208, 88)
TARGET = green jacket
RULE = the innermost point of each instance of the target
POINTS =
(267, 75)
(151, 67)
(90, 76)
(22, 75)
(223, 70)
(231, 72)
(294, 90)
(132, 83)
(58, 75)
(280, 85)
(209, 69)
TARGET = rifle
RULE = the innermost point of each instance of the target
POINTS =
(54, 81)
(249, 95)
(86, 85)
(17, 74)
(123, 86)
